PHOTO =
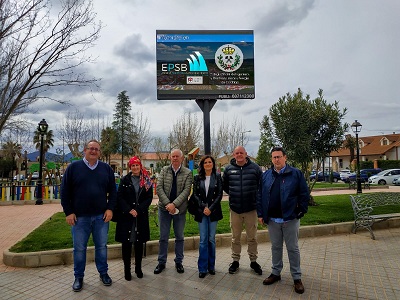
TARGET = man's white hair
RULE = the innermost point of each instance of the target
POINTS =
(180, 151)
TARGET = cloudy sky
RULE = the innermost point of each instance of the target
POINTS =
(348, 48)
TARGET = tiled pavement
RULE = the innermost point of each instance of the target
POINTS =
(350, 266)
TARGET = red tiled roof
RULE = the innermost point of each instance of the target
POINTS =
(372, 145)
(143, 156)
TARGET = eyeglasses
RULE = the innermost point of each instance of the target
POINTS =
(93, 149)
(277, 157)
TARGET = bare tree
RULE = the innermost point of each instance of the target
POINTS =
(162, 149)
(141, 126)
(220, 139)
(38, 53)
(95, 126)
(186, 132)
(227, 136)
(74, 130)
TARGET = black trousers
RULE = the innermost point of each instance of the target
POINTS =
(127, 253)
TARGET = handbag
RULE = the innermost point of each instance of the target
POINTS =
(116, 214)
(193, 205)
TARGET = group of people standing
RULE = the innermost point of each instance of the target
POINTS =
(277, 198)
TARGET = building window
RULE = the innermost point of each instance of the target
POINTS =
(384, 142)
(340, 163)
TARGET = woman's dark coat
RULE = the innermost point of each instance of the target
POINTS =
(126, 200)
(213, 198)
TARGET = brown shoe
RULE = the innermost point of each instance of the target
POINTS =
(271, 279)
(298, 286)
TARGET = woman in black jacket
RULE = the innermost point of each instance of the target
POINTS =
(135, 193)
(207, 190)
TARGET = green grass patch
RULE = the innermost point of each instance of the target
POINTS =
(55, 233)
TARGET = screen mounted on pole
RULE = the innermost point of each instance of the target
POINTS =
(205, 64)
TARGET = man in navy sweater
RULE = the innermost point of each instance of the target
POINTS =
(88, 198)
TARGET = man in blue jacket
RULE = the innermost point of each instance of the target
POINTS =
(88, 198)
(282, 201)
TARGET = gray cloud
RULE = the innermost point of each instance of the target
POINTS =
(134, 53)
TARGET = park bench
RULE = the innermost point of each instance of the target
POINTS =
(364, 204)
(364, 185)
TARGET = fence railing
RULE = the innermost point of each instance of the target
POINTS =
(20, 191)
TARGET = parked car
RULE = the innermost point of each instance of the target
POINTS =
(321, 177)
(35, 175)
(384, 177)
(19, 177)
(396, 181)
(344, 174)
(364, 175)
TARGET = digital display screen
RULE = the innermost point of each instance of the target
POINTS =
(205, 64)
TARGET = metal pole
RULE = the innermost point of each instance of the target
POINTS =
(26, 164)
(206, 105)
(39, 194)
(358, 178)
(12, 177)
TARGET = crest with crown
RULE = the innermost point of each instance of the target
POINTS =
(228, 50)
(228, 58)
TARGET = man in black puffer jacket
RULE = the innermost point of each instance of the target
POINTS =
(241, 181)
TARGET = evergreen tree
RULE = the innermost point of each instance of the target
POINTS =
(308, 129)
(266, 143)
(109, 143)
(122, 125)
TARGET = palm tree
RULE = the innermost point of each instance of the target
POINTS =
(47, 141)
(351, 144)
(10, 150)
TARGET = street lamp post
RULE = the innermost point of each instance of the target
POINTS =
(12, 176)
(243, 132)
(356, 127)
(26, 164)
(42, 127)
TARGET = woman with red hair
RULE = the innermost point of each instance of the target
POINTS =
(135, 193)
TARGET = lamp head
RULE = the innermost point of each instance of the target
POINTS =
(42, 126)
(356, 127)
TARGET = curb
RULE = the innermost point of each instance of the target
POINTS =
(65, 256)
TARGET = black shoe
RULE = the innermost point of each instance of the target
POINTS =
(233, 267)
(256, 267)
(179, 268)
(128, 276)
(159, 268)
(212, 272)
(106, 279)
(139, 272)
(298, 286)
(78, 285)
(127, 273)
(271, 279)
(202, 275)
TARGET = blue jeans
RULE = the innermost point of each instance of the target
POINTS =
(179, 221)
(207, 245)
(84, 226)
